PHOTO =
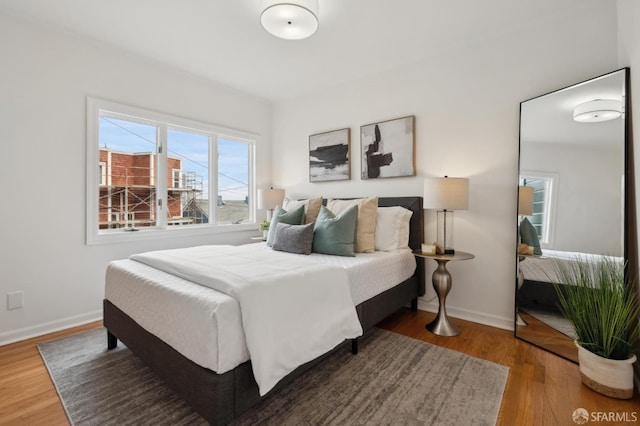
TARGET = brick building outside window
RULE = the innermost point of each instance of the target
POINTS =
(128, 191)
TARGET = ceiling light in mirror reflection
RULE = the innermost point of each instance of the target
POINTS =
(597, 111)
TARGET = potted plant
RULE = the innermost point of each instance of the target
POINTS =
(264, 227)
(596, 298)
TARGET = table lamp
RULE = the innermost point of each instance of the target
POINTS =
(269, 199)
(525, 200)
(525, 208)
(446, 195)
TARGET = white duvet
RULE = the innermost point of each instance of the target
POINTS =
(542, 268)
(292, 310)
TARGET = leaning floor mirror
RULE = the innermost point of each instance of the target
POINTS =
(572, 196)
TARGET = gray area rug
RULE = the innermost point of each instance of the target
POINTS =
(393, 380)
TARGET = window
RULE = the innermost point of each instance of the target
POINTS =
(102, 172)
(177, 179)
(156, 172)
(233, 161)
(544, 185)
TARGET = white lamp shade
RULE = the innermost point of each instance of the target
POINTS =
(290, 20)
(446, 193)
(525, 200)
(269, 199)
(597, 110)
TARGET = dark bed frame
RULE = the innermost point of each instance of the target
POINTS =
(220, 398)
(538, 295)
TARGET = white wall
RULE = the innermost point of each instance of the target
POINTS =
(45, 79)
(466, 108)
(466, 104)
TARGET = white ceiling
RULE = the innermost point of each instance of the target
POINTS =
(549, 118)
(222, 39)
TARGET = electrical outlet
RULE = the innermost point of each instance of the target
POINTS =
(15, 300)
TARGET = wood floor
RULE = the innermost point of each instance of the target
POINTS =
(547, 337)
(542, 388)
(27, 395)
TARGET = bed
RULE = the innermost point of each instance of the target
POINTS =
(223, 386)
(538, 292)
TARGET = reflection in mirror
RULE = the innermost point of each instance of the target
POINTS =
(571, 196)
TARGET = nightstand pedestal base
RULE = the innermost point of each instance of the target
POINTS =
(442, 284)
(442, 327)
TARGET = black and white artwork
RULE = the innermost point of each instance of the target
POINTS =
(329, 156)
(388, 148)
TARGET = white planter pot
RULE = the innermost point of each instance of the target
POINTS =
(609, 377)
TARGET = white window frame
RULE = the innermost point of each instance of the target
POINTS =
(549, 211)
(102, 166)
(173, 179)
(94, 235)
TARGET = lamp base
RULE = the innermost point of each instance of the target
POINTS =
(445, 230)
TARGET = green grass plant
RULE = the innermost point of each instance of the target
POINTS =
(599, 301)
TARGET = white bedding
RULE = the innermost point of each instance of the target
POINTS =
(292, 310)
(202, 324)
(371, 273)
(541, 268)
(205, 325)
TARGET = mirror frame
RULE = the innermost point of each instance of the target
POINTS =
(630, 250)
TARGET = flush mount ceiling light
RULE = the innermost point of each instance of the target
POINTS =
(291, 20)
(597, 110)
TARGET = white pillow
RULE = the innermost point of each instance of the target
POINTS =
(392, 228)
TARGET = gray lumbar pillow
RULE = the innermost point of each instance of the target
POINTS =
(293, 238)
(294, 217)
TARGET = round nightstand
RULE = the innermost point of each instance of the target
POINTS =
(442, 284)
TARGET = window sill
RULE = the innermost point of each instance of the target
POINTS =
(122, 236)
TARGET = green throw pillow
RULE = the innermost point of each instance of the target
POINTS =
(529, 236)
(335, 234)
(294, 217)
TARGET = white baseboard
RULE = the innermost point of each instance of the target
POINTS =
(48, 327)
(468, 315)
